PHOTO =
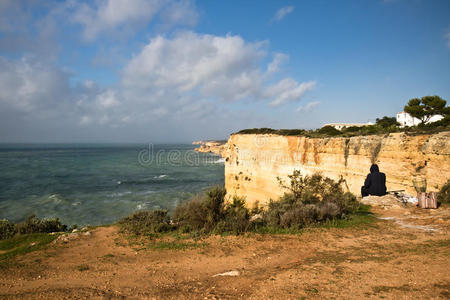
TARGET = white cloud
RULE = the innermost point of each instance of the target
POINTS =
(222, 67)
(107, 99)
(29, 86)
(102, 16)
(308, 107)
(172, 83)
(447, 37)
(282, 12)
(288, 90)
(179, 78)
(180, 12)
(278, 60)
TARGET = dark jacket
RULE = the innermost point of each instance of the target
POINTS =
(375, 183)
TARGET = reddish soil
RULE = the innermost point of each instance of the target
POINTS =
(390, 259)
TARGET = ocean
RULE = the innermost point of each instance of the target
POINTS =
(100, 183)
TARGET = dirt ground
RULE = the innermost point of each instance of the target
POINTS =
(405, 255)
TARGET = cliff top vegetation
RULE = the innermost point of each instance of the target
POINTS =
(329, 131)
(421, 108)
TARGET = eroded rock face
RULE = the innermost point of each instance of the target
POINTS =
(216, 147)
(253, 162)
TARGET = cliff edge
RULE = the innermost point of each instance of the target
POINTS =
(254, 161)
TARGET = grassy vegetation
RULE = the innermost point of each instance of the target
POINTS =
(30, 235)
(21, 244)
(361, 218)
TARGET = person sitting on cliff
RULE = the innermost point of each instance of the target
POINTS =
(375, 183)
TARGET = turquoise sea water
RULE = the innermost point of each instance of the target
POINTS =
(98, 184)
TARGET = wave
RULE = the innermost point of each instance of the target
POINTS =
(219, 161)
(147, 205)
(119, 194)
(159, 181)
(145, 193)
(161, 176)
(54, 199)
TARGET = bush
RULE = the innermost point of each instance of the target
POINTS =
(215, 199)
(32, 224)
(329, 131)
(211, 214)
(299, 216)
(201, 213)
(192, 215)
(147, 222)
(351, 129)
(310, 199)
(236, 217)
(7, 229)
(387, 122)
(329, 211)
(444, 194)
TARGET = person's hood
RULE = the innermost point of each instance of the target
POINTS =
(374, 168)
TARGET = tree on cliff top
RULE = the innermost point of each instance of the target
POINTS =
(426, 107)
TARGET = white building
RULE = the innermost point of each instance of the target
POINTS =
(406, 119)
(340, 126)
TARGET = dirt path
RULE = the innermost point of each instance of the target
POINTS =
(384, 260)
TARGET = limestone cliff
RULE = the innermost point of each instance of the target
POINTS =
(254, 161)
(216, 147)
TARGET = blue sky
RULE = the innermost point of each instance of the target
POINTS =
(175, 71)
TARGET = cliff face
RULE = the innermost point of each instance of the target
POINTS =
(253, 162)
(216, 147)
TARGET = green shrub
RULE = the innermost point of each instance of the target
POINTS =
(291, 132)
(387, 122)
(201, 213)
(351, 129)
(192, 215)
(236, 217)
(146, 222)
(329, 131)
(329, 211)
(211, 214)
(444, 194)
(310, 199)
(32, 224)
(7, 229)
(215, 198)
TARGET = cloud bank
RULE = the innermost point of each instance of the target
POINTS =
(177, 82)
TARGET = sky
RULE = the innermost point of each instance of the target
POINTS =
(168, 71)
